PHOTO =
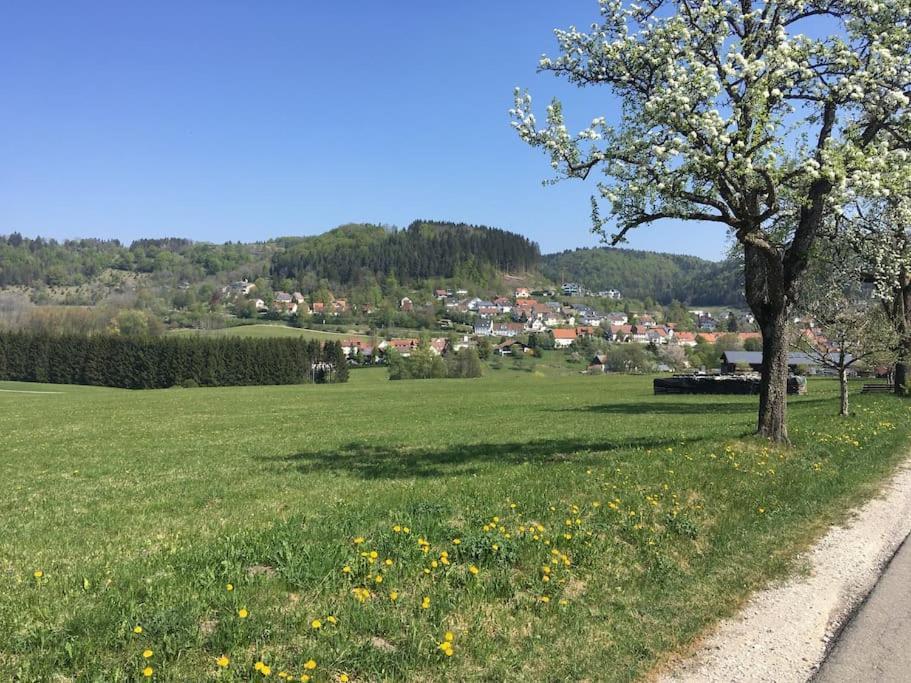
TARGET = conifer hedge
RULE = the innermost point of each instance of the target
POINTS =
(160, 362)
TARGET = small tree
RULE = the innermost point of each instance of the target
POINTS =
(732, 113)
(849, 329)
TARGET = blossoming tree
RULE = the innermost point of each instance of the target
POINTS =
(731, 114)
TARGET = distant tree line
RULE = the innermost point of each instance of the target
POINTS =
(425, 249)
(646, 274)
(423, 364)
(161, 362)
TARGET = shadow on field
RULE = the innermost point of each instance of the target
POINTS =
(659, 407)
(389, 462)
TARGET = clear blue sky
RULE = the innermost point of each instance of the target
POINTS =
(236, 120)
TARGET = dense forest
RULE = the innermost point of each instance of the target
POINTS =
(162, 362)
(425, 249)
(366, 262)
(641, 274)
(43, 262)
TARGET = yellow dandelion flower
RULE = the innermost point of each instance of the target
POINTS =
(223, 662)
(379, 578)
(259, 665)
(358, 540)
(394, 595)
(374, 554)
(544, 598)
(343, 678)
(38, 574)
(229, 587)
(346, 569)
(137, 629)
(474, 570)
(316, 624)
(397, 529)
(148, 671)
(449, 636)
(406, 530)
(388, 562)
(331, 619)
(243, 613)
(146, 654)
(266, 670)
(456, 541)
(310, 664)
(425, 603)
(305, 678)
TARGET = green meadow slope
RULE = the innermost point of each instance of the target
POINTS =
(556, 526)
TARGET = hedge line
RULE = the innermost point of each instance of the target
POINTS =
(160, 362)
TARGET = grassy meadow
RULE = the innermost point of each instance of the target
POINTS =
(523, 526)
(266, 330)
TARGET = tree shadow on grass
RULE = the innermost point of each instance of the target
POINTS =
(369, 461)
(660, 407)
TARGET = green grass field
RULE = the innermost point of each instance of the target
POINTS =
(556, 527)
(266, 330)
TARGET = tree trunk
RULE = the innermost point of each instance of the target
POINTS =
(766, 295)
(843, 385)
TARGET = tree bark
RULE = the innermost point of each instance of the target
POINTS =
(843, 385)
(767, 297)
(903, 327)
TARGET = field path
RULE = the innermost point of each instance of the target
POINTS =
(785, 632)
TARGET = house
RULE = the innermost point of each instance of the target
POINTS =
(298, 298)
(598, 363)
(617, 318)
(522, 293)
(260, 305)
(282, 301)
(438, 345)
(707, 337)
(483, 328)
(535, 325)
(406, 304)
(440, 294)
(564, 337)
(239, 288)
(319, 308)
(403, 346)
(646, 320)
(588, 331)
(512, 347)
(461, 292)
(571, 288)
(488, 311)
(610, 294)
(507, 329)
(339, 306)
(685, 338)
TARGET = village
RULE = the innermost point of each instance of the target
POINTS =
(527, 322)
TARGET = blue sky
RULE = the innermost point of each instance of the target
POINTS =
(246, 120)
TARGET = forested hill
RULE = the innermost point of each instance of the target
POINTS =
(425, 249)
(641, 274)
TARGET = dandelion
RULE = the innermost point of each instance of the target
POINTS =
(397, 529)
(243, 613)
(346, 569)
(343, 678)
(379, 578)
(406, 530)
(388, 562)
(474, 570)
(229, 587)
(146, 654)
(310, 664)
(449, 636)
(259, 665)
(266, 670)
(374, 554)
(393, 596)
(331, 619)
(358, 540)
(544, 599)
(38, 574)
(223, 662)
(305, 678)
(425, 603)
(316, 624)
(148, 671)
(456, 541)
(137, 629)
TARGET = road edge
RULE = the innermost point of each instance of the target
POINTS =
(785, 632)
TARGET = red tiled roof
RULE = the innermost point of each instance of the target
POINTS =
(564, 333)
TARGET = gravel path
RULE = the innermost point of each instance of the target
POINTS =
(783, 633)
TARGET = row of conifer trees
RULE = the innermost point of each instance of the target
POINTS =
(160, 362)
